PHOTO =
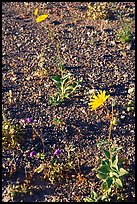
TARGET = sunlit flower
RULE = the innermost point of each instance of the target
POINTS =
(96, 101)
(28, 120)
(36, 11)
(33, 153)
(57, 152)
(41, 18)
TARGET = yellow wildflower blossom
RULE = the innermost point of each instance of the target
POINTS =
(41, 18)
(36, 11)
(96, 101)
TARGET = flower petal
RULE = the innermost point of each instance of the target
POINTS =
(36, 11)
(33, 153)
(57, 152)
(41, 18)
(96, 101)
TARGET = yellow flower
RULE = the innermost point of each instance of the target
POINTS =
(96, 101)
(41, 18)
(36, 11)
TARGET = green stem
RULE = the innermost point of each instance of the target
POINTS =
(58, 59)
(110, 130)
(52, 39)
(109, 127)
(50, 33)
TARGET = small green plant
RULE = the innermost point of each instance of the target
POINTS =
(56, 170)
(52, 169)
(57, 121)
(69, 149)
(16, 190)
(66, 86)
(58, 166)
(110, 170)
(11, 135)
(111, 174)
(124, 34)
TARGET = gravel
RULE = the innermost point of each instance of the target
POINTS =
(91, 51)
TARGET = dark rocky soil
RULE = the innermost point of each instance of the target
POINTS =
(91, 51)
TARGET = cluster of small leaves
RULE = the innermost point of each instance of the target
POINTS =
(124, 34)
(92, 198)
(11, 135)
(16, 190)
(58, 122)
(99, 11)
(111, 174)
(56, 168)
(52, 170)
(65, 87)
(110, 171)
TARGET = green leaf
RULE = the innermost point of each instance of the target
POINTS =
(104, 185)
(114, 158)
(119, 182)
(107, 153)
(104, 169)
(66, 75)
(114, 169)
(65, 82)
(109, 181)
(76, 84)
(60, 66)
(92, 198)
(116, 149)
(115, 162)
(122, 172)
(72, 87)
(105, 162)
(69, 88)
(100, 143)
(104, 197)
(93, 194)
(56, 79)
(58, 85)
(67, 95)
(88, 199)
(54, 99)
(41, 156)
(102, 176)
(113, 174)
